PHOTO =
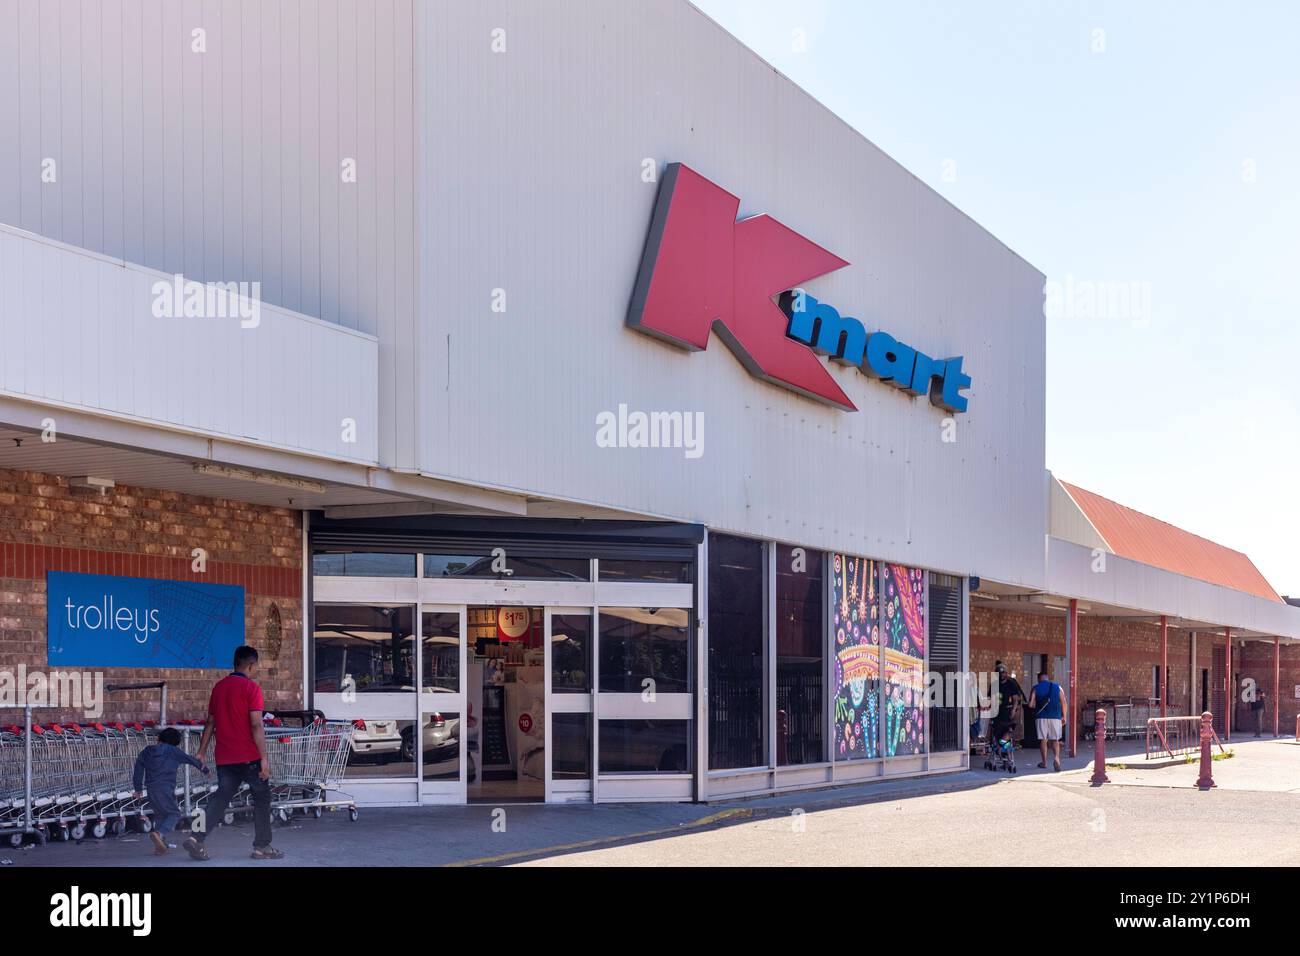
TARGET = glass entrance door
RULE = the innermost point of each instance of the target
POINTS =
(568, 669)
(439, 740)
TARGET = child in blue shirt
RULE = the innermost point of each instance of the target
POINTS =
(155, 771)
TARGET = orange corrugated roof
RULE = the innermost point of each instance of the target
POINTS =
(1131, 534)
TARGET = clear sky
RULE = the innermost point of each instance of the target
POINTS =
(1152, 143)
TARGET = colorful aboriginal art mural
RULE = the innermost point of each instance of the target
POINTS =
(902, 595)
(857, 658)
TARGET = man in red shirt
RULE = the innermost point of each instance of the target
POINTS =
(235, 716)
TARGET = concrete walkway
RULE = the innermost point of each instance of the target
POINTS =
(1260, 764)
(1152, 816)
(472, 834)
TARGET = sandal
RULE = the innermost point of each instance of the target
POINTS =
(159, 844)
(1057, 767)
(195, 849)
(267, 853)
(1042, 766)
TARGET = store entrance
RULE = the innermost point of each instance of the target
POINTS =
(506, 689)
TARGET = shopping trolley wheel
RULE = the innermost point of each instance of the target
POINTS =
(316, 812)
(282, 815)
(99, 829)
(353, 813)
(60, 833)
(118, 827)
(145, 824)
(42, 836)
(228, 819)
(15, 840)
(78, 832)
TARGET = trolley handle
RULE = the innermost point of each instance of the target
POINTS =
(306, 717)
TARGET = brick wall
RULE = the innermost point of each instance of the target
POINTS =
(47, 526)
(1255, 661)
(1115, 655)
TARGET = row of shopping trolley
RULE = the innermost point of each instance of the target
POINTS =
(1125, 716)
(67, 781)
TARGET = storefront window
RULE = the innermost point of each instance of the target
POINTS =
(571, 653)
(518, 568)
(663, 572)
(365, 564)
(644, 644)
(645, 746)
(855, 615)
(736, 643)
(902, 623)
(440, 651)
(800, 671)
(364, 649)
(381, 747)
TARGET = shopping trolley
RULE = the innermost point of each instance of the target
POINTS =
(82, 778)
(64, 781)
(16, 821)
(307, 766)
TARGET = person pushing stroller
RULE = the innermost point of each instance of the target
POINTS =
(1010, 696)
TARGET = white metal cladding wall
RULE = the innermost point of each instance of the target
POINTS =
(78, 330)
(530, 182)
(1067, 521)
(225, 165)
(1131, 584)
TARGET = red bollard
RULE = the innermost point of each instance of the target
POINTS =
(1099, 759)
(1206, 779)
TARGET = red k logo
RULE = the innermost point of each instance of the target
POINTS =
(703, 270)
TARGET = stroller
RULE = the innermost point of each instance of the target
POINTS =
(1001, 752)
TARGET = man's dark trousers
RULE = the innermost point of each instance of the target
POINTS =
(229, 777)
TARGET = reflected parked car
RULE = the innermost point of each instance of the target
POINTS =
(380, 739)
(440, 737)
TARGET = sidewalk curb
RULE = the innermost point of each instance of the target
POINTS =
(829, 798)
(518, 855)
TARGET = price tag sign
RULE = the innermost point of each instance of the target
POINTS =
(513, 622)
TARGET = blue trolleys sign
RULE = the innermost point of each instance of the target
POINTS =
(99, 620)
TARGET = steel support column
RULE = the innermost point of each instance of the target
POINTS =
(1229, 688)
(1072, 652)
(1164, 663)
(1277, 683)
